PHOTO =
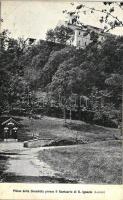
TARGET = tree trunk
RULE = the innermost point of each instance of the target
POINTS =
(70, 115)
(64, 114)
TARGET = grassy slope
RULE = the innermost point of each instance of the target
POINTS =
(97, 162)
(54, 128)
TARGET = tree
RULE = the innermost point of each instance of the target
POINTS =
(55, 59)
(59, 89)
(62, 71)
(60, 34)
(67, 81)
(11, 70)
(107, 16)
(50, 35)
(4, 84)
(5, 59)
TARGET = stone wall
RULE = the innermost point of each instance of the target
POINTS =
(37, 143)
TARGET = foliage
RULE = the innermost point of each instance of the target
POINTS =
(63, 72)
(60, 34)
(108, 17)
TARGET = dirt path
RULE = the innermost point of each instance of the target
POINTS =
(24, 162)
(27, 164)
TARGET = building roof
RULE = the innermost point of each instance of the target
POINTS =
(10, 120)
(84, 27)
(80, 27)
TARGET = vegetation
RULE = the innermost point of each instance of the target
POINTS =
(96, 163)
(52, 78)
(98, 160)
(53, 128)
(59, 34)
(66, 74)
(108, 14)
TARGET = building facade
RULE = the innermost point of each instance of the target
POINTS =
(9, 130)
(85, 34)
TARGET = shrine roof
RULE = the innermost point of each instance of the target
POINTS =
(10, 120)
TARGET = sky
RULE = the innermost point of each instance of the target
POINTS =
(34, 18)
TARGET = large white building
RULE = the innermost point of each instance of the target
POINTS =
(84, 35)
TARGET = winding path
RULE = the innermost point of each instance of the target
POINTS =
(24, 161)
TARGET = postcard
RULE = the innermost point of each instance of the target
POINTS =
(61, 100)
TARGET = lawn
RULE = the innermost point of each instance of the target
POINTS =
(98, 162)
(3, 161)
(54, 128)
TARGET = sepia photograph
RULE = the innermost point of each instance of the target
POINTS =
(61, 92)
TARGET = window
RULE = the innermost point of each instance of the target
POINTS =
(79, 43)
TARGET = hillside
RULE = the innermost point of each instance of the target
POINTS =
(63, 71)
(96, 160)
